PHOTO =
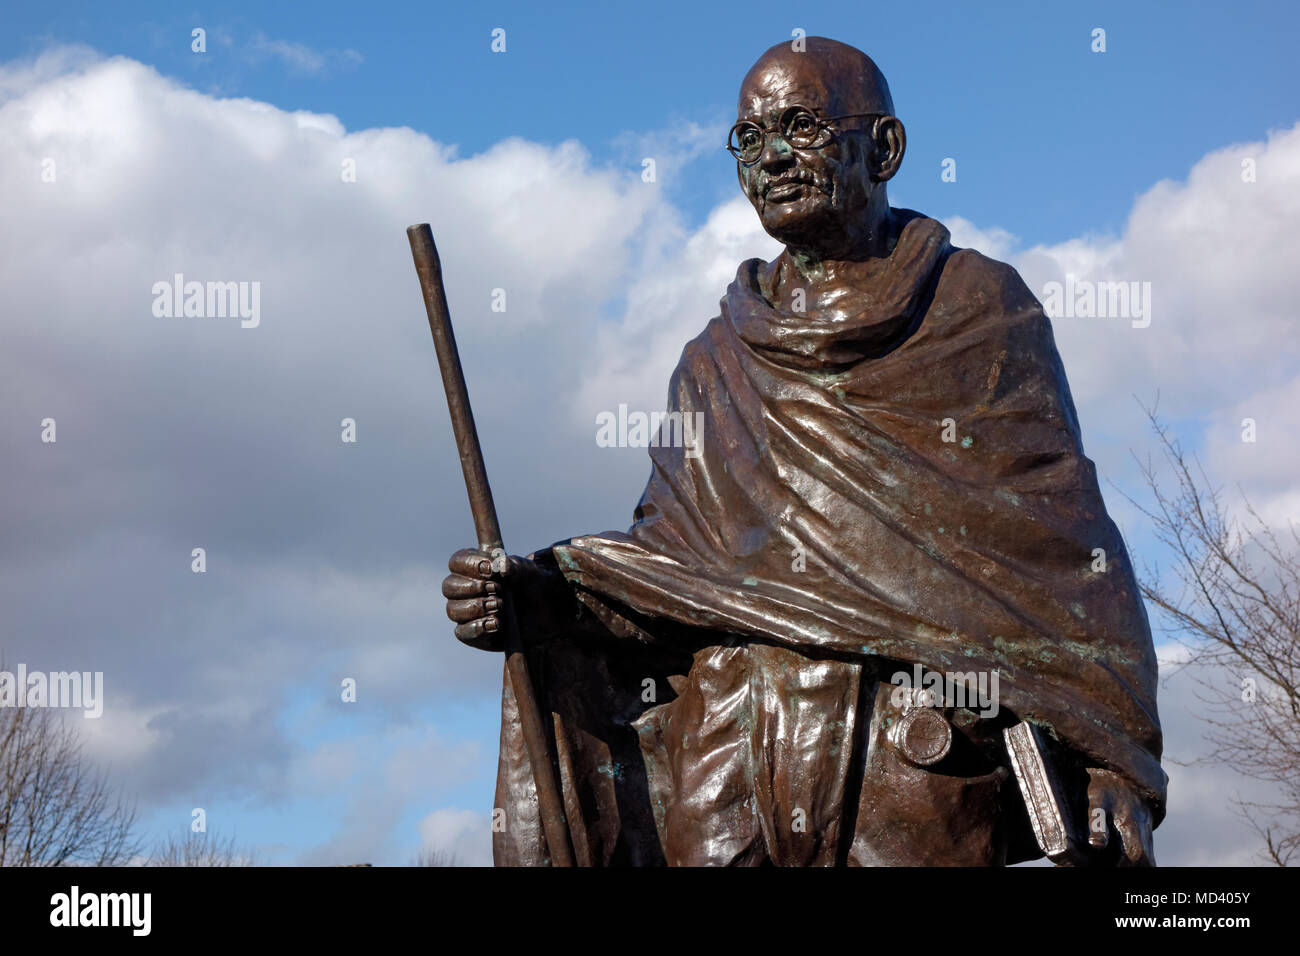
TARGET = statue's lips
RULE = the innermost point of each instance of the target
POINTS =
(788, 192)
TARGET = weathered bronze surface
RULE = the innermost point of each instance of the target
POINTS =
(890, 475)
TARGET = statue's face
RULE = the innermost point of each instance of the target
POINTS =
(805, 196)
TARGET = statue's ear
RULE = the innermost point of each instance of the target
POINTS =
(891, 144)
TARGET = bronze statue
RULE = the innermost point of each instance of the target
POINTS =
(890, 480)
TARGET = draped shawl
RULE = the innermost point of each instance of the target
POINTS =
(932, 504)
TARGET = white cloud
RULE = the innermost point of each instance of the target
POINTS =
(122, 737)
(384, 775)
(323, 558)
(299, 57)
(668, 304)
(464, 836)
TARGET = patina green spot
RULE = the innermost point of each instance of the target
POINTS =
(967, 442)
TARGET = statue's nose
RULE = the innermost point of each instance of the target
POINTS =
(777, 153)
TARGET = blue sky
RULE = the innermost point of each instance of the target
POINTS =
(1010, 90)
(230, 694)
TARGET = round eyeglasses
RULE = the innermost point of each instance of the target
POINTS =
(799, 126)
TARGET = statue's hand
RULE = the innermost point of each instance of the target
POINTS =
(1112, 804)
(479, 586)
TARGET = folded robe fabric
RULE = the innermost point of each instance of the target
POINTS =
(931, 504)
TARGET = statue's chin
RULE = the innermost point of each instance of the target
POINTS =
(797, 223)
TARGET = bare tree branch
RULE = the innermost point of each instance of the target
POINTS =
(55, 808)
(200, 849)
(431, 857)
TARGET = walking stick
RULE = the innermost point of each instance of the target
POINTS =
(550, 802)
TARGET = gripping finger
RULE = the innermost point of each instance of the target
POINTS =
(471, 563)
(1135, 839)
(463, 612)
(460, 586)
(478, 635)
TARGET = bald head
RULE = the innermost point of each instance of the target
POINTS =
(827, 75)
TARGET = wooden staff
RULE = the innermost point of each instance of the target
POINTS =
(549, 799)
